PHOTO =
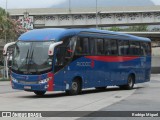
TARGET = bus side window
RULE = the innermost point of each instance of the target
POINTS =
(78, 50)
(111, 47)
(99, 47)
(85, 47)
(106, 47)
(92, 46)
(135, 48)
(143, 51)
(149, 48)
(145, 48)
(60, 55)
(70, 47)
(123, 47)
(82, 46)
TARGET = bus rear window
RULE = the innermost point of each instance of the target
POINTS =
(145, 48)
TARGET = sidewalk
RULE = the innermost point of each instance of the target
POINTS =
(155, 77)
(3, 83)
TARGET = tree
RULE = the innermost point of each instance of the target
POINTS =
(140, 28)
(2, 20)
(9, 27)
(115, 28)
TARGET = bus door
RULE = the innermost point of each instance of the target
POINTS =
(58, 66)
(63, 57)
(82, 63)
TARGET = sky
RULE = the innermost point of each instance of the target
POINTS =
(38, 3)
(157, 2)
(29, 3)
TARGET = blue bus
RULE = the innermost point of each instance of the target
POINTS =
(56, 59)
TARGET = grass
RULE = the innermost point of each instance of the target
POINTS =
(2, 79)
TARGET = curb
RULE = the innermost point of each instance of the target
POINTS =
(1, 79)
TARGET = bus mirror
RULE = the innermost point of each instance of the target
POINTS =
(6, 47)
(52, 46)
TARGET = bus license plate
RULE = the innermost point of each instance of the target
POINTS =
(27, 87)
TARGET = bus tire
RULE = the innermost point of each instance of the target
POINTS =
(130, 83)
(40, 93)
(75, 87)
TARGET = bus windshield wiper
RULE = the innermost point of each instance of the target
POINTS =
(25, 61)
(31, 59)
(27, 56)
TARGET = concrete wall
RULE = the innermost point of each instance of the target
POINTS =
(156, 51)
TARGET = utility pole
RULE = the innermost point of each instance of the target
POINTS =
(96, 16)
(6, 18)
(5, 58)
(69, 6)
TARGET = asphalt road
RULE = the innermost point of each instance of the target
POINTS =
(143, 97)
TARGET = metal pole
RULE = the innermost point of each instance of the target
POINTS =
(96, 16)
(69, 6)
(6, 63)
(6, 4)
(6, 17)
(6, 67)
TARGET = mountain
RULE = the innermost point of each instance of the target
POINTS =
(103, 3)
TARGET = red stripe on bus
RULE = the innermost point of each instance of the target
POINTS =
(112, 58)
(50, 82)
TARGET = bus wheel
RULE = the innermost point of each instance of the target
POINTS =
(101, 88)
(130, 83)
(40, 93)
(75, 88)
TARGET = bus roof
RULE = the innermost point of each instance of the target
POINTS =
(59, 33)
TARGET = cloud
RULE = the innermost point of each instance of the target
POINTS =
(156, 2)
(29, 3)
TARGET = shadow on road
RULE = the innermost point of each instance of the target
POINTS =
(84, 92)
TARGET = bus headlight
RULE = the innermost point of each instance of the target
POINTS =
(44, 80)
(14, 80)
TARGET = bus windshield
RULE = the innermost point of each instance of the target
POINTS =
(31, 57)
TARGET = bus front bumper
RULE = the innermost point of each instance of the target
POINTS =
(44, 82)
(30, 87)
